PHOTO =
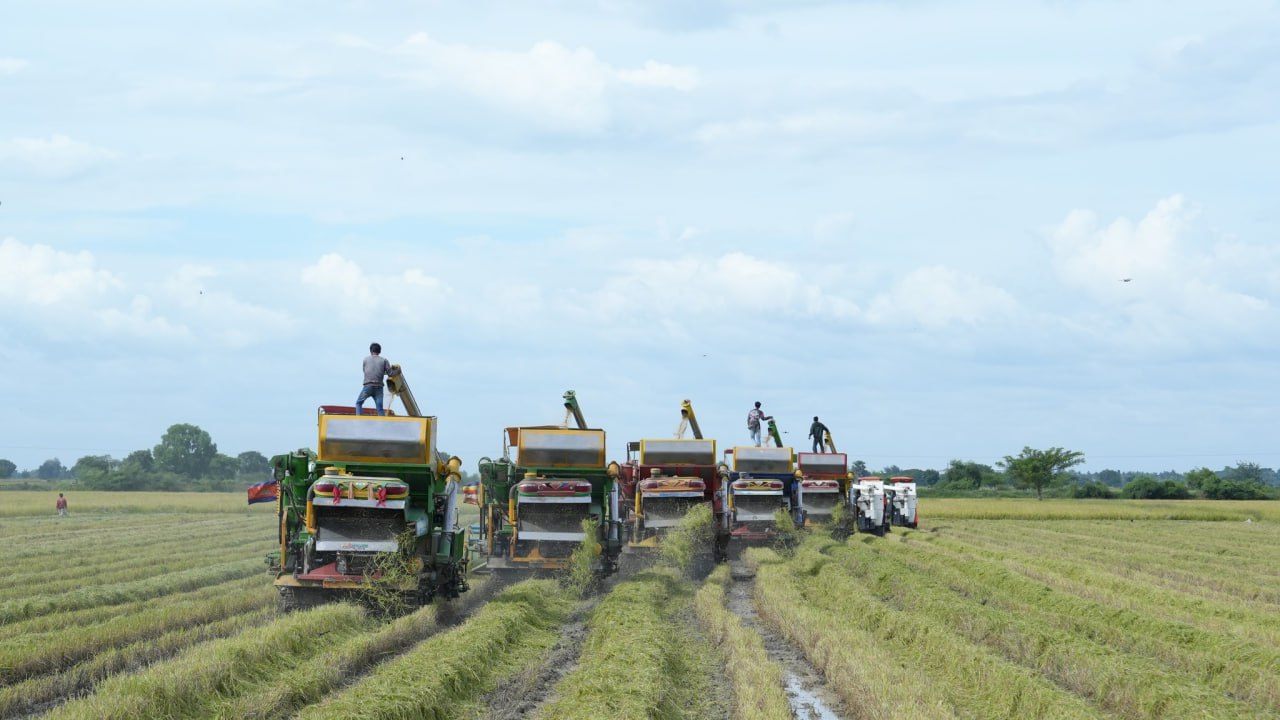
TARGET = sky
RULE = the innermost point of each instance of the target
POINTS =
(951, 230)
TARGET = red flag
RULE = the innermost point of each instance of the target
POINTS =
(263, 492)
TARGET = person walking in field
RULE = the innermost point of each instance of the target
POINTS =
(817, 431)
(61, 505)
(754, 416)
(376, 368)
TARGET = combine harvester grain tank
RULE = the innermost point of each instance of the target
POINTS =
(376, 489)
(663, 478)
(534, 498)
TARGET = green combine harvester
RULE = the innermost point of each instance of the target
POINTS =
(535, 497)
(375, 506)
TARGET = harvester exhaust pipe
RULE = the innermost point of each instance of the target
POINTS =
(797, 512)
(722, 495)
(615, 523)
(450, 514)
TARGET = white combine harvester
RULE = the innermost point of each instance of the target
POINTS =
(902, 501)
(869, 501)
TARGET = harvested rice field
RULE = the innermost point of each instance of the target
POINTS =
(160, 607)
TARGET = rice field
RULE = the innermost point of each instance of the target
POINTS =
(158, 606)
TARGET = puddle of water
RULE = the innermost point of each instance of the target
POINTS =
(807, 705)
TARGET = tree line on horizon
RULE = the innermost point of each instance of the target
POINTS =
(187, 459)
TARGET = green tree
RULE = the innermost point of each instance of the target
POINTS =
(1111, 477)
(253, 464)
(7, 468)
(1040, 468)
(859, 468)
(185, 450)
(1245, 471)
(51, 469)
(1200, 478)
(965, 475)
(139, 461)
(91, 467)
(223, 467)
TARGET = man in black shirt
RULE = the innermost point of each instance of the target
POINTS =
(817, 431)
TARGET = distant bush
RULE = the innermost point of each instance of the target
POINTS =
(1093, 489)
(1145, 487)
(1219, 489)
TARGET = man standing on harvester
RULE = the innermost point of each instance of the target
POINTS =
(376, 368)
(754, 416)
(817, 431)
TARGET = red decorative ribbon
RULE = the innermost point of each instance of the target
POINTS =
(382, 496)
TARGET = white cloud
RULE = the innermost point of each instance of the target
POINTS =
(559, 86)
(936, 297)
(12, 66)
(54, 157)
(1185, 287)
(660, 75)
(341, 286)
(194, 293)
(38, 275)
(140, 321)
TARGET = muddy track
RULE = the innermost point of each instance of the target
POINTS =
(810, 696)
(522, 695)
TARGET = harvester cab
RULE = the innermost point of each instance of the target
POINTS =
(665, 478)
(375, 502)
(537, 495)
(761, 482)
(902, 501)
(823, 482)
(868, 499)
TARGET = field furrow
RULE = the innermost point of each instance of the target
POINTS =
(755, 681)
(46, 691)
(642, 626)
(452, 668)
(189, 685)
(967, 678)
(36, 653)
(1128, 685)
(124, 592)
(1199, 655)
(1128, 588)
